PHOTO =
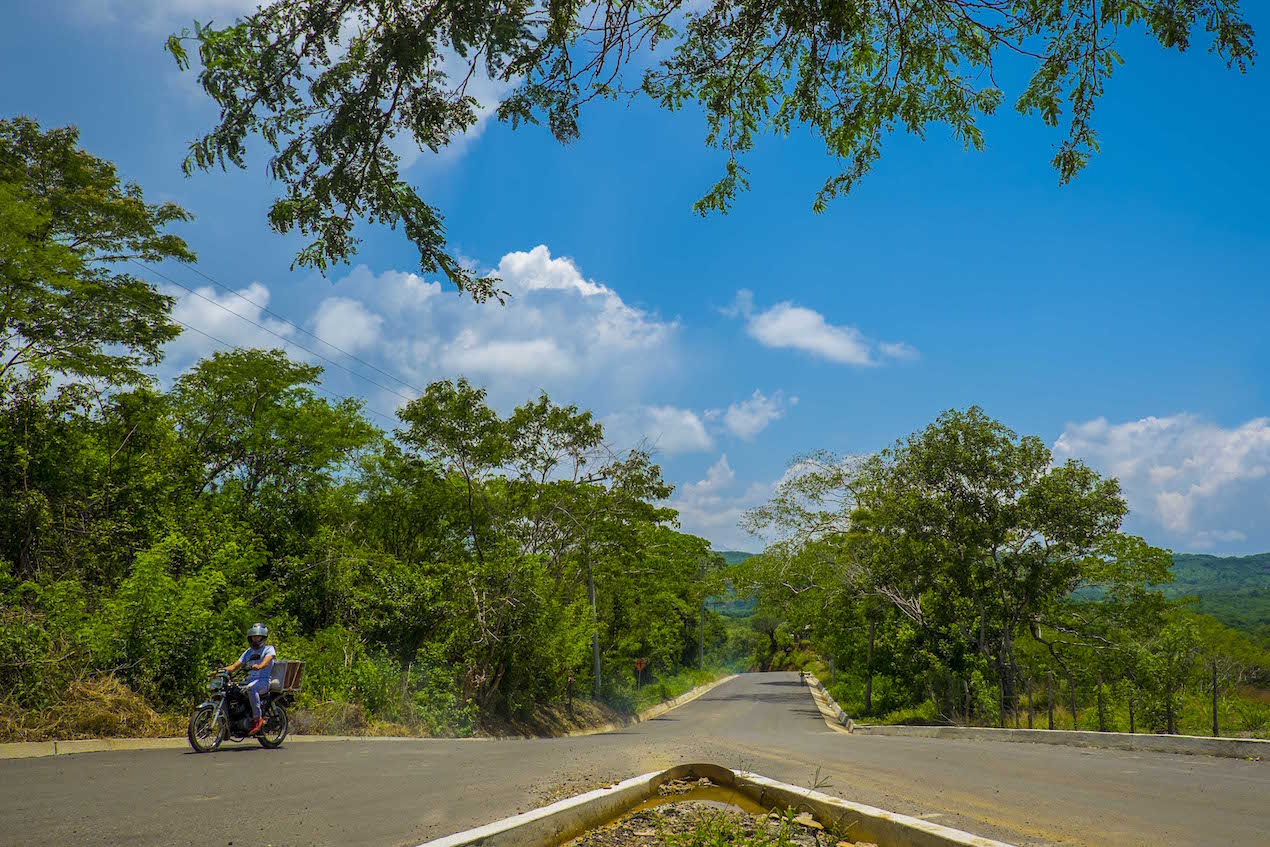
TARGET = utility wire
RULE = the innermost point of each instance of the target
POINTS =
(277, 335)
(320, 390)
(18, 161)
(274, 314)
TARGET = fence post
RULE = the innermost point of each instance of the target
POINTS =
(1029, 700)
(1216, 733)
(1071, 690)
(1050, 699)
(1102, 716)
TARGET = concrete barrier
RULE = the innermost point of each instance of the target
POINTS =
(553, 825)
(36, 749)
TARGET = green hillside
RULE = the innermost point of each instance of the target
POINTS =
(1233, 589)
(734, 557)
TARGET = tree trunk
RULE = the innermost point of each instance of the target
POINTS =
(595, 624)
(966, 684)
(702, 654)
(868, 665)
(1132, 727)
(1168, 713)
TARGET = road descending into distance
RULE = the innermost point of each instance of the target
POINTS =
(390, 794)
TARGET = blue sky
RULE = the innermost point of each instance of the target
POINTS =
(1122, 318)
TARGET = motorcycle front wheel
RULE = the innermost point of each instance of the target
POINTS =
(204, 734)
(274, 731)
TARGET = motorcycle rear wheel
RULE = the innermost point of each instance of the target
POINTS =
(274, 732)
(202, 735)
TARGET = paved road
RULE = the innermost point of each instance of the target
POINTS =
(396, 794)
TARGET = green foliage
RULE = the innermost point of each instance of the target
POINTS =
(329, 86)
(962, 568)
(66, 224)
(429, 583)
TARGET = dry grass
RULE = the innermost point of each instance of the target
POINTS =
(100, 707)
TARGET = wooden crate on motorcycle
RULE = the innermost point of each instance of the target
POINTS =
(286, 676)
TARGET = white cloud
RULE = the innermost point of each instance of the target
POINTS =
(558, 331)
(898, 350)
(346, 324)
(668, 429)
(748, 418)
(224, 316)
(1196, 483)
(790, 326)
(152, 15)
(713, 506)
(533, 357)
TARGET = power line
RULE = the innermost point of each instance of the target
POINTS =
(282, 318)
(325, 391)
(277, 335)
(18, 161)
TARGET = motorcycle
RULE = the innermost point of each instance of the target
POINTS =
(226, 714)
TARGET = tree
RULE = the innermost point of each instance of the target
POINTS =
(971, 535)
(66, 223)
(330, 84)
(250, 423)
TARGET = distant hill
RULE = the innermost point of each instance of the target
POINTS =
(734, 557)
(1233, 589)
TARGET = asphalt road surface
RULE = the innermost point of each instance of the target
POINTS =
(397, 794)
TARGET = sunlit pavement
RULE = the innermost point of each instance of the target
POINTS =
(383, 794)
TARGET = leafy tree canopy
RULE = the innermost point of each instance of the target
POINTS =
(66, 224)
(329, 84)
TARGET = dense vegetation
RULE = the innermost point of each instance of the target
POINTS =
(461, 569)
(962, 575)
(1233, 589)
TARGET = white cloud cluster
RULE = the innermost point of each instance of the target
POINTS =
(226, 316)
(789, 326)
(666, 429)
(559, 331)
(713, 506)
(749, 417)
(1198, 484)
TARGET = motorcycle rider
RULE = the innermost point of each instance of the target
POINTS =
(257, 657)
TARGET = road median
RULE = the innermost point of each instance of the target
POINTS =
(559, 822)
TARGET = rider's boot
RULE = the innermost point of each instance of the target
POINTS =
(255, 727)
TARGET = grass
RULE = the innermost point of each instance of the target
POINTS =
(100, 707)
(1242, 713)
(670, 687)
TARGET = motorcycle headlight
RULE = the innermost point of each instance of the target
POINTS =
(216, 684)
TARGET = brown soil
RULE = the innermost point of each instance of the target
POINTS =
(693, 822)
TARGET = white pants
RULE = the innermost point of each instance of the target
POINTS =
(254, 689)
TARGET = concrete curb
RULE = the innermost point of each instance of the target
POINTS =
(1196, 745)
(552, 825)
(37, 749)
(829, 708)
